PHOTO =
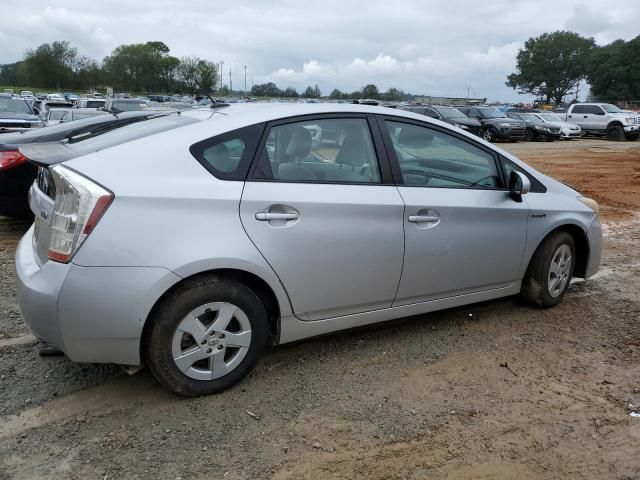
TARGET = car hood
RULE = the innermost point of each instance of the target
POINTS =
(18, 116)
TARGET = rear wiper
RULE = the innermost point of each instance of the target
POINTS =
(77, 136)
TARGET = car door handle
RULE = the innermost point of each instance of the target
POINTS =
(267, 216)
(423, 218)
(586, 116)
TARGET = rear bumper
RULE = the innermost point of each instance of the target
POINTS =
(93, 314)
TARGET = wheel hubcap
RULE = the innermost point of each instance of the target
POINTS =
(559, 271)
(211, 340)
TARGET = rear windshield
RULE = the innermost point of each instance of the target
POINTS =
(129, 106)
(94, 141)
(13, 105)
(94, 103)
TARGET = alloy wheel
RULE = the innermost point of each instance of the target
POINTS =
(559, 271)
(211, 341)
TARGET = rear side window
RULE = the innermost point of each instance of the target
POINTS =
(228, 156)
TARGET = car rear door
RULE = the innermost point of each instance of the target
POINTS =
(326, 215)
(463, 231)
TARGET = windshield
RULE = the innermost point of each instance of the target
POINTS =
(449, 112)
(529, 117)
(13, 105)
(133, 130)
(607, 107)
(547, 117)
(129, 106)
(492, 113)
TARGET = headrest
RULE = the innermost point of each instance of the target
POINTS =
(299, 144)
(415, 137)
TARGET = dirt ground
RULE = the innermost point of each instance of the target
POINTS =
(423, 397)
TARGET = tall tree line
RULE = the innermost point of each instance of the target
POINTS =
(142, 67)
(552, 65)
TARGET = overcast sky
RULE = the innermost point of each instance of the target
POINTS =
(436, 47)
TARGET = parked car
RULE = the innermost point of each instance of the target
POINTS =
(496, 125)
(17, 175)
(567, 130)
(55, 115)
(197, 248)
(604, 119)
(16, 114)
(537, 129)
(46, 106)
(91, 103)
(450, 115)
(117, 105)
(26, 94)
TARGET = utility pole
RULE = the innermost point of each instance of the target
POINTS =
(230, 84)
(245, 79)
(468, 88)
(221, 65)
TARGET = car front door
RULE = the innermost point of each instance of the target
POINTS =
(326, 215)
(463, 231)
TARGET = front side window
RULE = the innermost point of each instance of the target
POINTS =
(431, 158)
(332, 150)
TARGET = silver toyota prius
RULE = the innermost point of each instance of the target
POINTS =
(194, 249)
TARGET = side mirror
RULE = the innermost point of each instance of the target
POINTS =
(519, 184)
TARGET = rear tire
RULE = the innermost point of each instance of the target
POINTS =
(550, 271)
(615, 133)
(201, 306)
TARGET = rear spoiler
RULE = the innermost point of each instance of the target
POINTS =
(47, 154)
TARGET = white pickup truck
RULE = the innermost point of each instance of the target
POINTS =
(606, 120)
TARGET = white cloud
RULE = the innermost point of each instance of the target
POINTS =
(422, 46)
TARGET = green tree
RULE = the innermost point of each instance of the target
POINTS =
(187, 72)
(206, 76)
(551, 65)
(312, 92)
(612, 74)
(336, 94)
(290, 92)
(393, 95)
(50, 65)
(370, 92)
(269, 89)
(141, 67)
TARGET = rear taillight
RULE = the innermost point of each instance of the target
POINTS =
(78, 206)
(11, 159)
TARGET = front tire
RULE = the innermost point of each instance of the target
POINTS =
(615, 133)
(550, 271)
(488, 135)
(205, 336)
(529, 135)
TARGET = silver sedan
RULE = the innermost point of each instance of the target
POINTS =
(194, 249)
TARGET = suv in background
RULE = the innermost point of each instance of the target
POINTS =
(450, 115)
(604, 119)
(495, 124)
(16, 114)
(91, 102)
(537, 129)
